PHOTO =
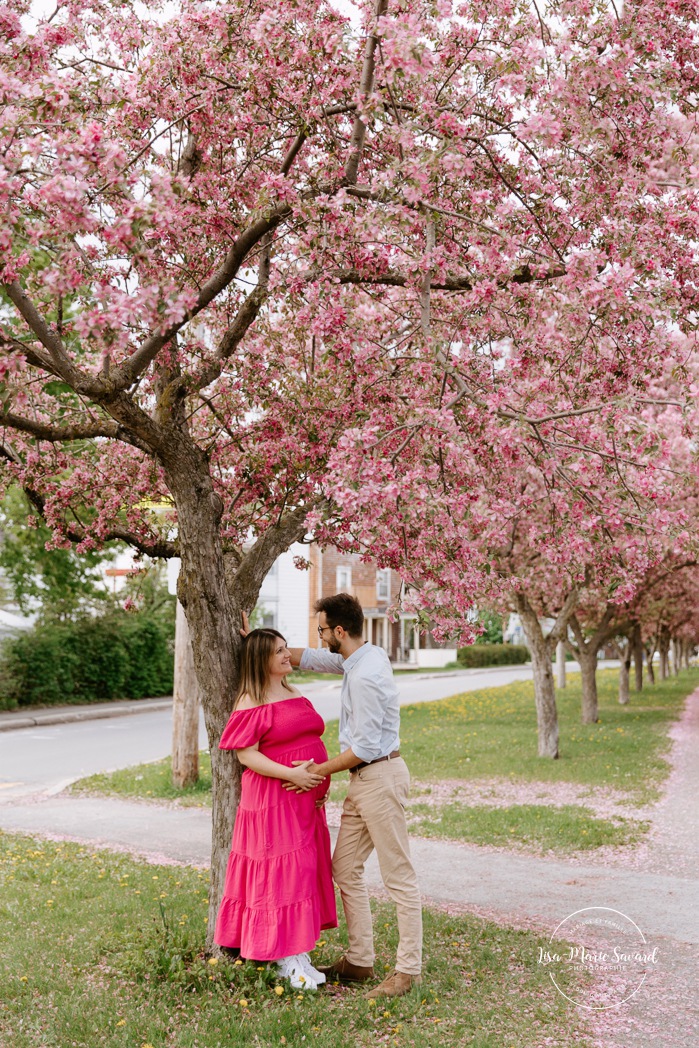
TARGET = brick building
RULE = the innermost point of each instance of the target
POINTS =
(376, 590)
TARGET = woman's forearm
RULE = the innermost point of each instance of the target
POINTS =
(256, 761)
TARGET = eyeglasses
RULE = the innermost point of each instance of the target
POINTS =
(322, 629)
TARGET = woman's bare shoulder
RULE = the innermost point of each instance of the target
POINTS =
(245, 703)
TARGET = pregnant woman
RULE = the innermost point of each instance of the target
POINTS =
(278, 893)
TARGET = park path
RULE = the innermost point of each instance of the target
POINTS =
(659, 890)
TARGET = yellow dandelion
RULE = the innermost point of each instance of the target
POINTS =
(122, 1022)
(213, 960)
(243, 1003)
(279, 990)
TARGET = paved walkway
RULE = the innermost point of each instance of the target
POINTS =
(662, 897)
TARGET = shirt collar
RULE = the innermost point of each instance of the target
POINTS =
(354, 658)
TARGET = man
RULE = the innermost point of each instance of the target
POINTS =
(373, 815)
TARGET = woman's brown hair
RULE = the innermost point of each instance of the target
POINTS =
(257, 652)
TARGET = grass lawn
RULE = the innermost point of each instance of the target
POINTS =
(491, 733)
(97, 949)
(570, 827)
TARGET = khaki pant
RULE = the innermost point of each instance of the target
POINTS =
(373, 816)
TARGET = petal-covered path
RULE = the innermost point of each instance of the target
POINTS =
(657, 886)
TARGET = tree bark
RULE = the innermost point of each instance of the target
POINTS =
(544, 693)
(185, 708)
(588, 671)
(664, 647)
(650, 654)
(213, 617)
(624, 672)
(585, 651)
(560, 665)
(637, 645)
(541, 649)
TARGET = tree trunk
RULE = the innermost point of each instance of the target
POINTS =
(650, 654)
(676, 660)
(588, 672)
(185, 708)
(664, 647)
(560, 665)
(544, 690)
(624, 672)
(214, 590)
(637, 645)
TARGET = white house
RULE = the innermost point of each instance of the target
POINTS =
(285, 596)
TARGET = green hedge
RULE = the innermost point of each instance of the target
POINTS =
(493, 655)
(116, 656)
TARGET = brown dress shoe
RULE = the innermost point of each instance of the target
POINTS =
(395, 985)
(346, 972)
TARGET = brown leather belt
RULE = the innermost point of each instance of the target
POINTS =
(365, 764)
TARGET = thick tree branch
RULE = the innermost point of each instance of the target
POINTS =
(59, 434)
(58, 362)
(156, 547)
(561, 623)
(258, 560)
(30, 353)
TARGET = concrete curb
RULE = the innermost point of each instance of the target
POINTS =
(13, 721)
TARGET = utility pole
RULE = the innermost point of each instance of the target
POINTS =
(560, 665)
(186, 702)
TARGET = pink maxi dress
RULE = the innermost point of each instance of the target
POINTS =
(279, 892)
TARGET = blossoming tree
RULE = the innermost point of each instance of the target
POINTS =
(241, 242)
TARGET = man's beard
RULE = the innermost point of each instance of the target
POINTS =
(334, 646)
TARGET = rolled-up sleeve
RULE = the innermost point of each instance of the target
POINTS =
(321, 661)
(366, 719)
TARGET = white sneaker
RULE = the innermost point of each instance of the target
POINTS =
(291, 968)
(311, 972)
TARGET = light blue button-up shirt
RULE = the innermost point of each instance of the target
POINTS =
(369, 708)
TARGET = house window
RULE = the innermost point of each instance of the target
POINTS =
(383, 584)
(343, 578)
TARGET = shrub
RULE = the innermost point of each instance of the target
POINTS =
(493, 655)
(115, 656)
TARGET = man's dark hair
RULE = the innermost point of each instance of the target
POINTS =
(342, 610)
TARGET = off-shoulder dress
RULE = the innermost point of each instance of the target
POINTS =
(278, 893)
